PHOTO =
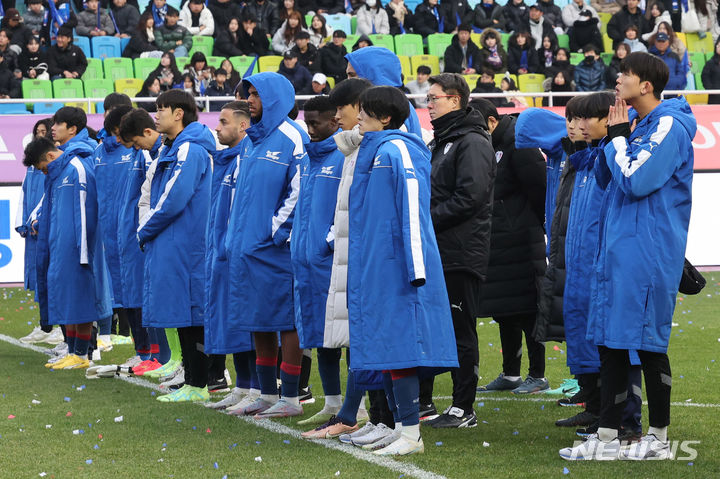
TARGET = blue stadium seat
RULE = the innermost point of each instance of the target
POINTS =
(46, 108)
(13, 109)
(340, 21)
(123, 44)
(106, 47)
(84, 44)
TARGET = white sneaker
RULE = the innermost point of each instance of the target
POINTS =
(402, 447)
(37, 335)
(592, 449)
(60, 350)
(649, 448)
(348, 438)
(132, 362)
(96, 354)
(242, 404)
(177, 380)
(230, 399)
(104, 343)
(378, 438)
(55, 337)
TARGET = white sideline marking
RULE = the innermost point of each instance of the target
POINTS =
(526, 399)
(400, 467)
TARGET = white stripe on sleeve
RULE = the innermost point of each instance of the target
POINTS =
(289, 204)
(181, 157)
(623, 160)
(82, 179)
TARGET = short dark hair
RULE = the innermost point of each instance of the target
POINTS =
(179, 99)
(302, 34)
(348, 91)
(648, 68)
(71, 116)
(424, 70)
(65, 31)
(172, 12)
(464, 27)
(453, 84)
(386, 101)
(596, 105)
(487, 71)
(339, 33)
(574, 107)
(48, 125)
(112, 120)
(320, 104)
(116, 99)
(238, 107)
(485, 107)
(134, 123)
(36, 149)
(632, 26)
(590, 48)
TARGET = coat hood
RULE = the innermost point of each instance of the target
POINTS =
(536, 125)
(485, 34)
(278, 97)
(196, 133)
(372, 139)
(80, 145)
(377, 64)
(678, 108)
(223, 157)
(318, 150)
(110, 144)
(504, 133)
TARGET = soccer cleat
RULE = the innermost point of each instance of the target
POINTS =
(428, 412)
(569, 387)
(648, 448)
(282, 408)
(257, 406)
(532, 385)
(331, 429)
(165, 371)
(116, 339)
(237, 409)
(454, 417)
(175, 382)
(230, 399)
(586, 431)
(220, 385)
(305, 396)
(55, 337)
(577, 399)
(581, 419)
(347, 438)
(592, 449)
(403, 446)
(384, 437)
(53, 362)
(145, 366)
(132, 362)
(320, 417)
(37, 335)
(627, 436)
(499, 384)
(186, 393)
(103, 345)
(60, 350)
(74, 362)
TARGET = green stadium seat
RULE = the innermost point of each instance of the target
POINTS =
(350, 41)
(697, 61)
(409, 44)
(269, 63)
(94, 69)
(37, 89)
(242, 63)
(98, 88)
(353, 24)
(202, 43)
(380, 40)
(68, 88)
(429, 60)
(564, 41)
(438, 43)
(576, 58)
(181, 62)
(308, 20)
(607, 43)
(143, 66)
(697, 44)
(708, 56)
(406, 66)
(504, 39)
(215, 62)
(129, 86)
(118, 68)
(606, 57)
(604, 19)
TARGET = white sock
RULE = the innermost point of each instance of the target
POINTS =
(362, 405)
(333, 402)
(82, 356)
(513, 378)
(411, 432)
(398, 426)
(254, 392)
(241, 391)
(606, 434)
(658, 432)
(271, 398)
(105, 338)
(294, 401)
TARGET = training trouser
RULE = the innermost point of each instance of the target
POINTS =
(196, 362)
(511, 334)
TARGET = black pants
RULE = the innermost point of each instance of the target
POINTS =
(192, 345)
(216, 366)
(121, 321)
(511, 334)
(590, 384)
(379, 411)
(614, 372)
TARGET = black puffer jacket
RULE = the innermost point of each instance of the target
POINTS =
(454, 56)
(461, 183)
(517, 245)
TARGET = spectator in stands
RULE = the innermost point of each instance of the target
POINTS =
(299, 76)
(632, 40)
(372, 18)
(158, 9)
(197, 18)
(676, 45)
(171, 37)
(167, 72)
(457, 12)
(10, 58)
(52, 25)
(613, 70)
(486, 84)
(199, 70)
(33, 62)
(233, 76)
(10, 85)
(606, 6)
(224, 10)
(420, 86)
(552, 14)
(547, 52)
(561, 62)
(220, 86)
(331, 58)
(711, 74)
(362, 42)
(492, 53)
(227, 40)
(488, 14)
(65, 60)
(34, 17)
(697, 9)
(94, 21)
(630, 14)
(266, 13)
(306, 51)
(590, 73)
(319, 30)
(655, 14)
(399, 17)
(572, 11)
(429, 18)
(284, 38)
(126, 18)
(537, 25)
(253, 38)
(515, 15)
(522, 55)
(585, 30)
(188, 85)
(319, 84)
(142, 40)
(329, 7)
(561, 82)
(660, 47)
(18, 33)
(151, 88)
(462, 55)
(285, 8)
(508, 85)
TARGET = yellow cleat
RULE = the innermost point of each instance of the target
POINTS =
(58, 364)
(75, 362)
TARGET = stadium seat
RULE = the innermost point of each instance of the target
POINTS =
(181, 62)
(564, 41)
(499, 77)
(708, 56)
(438, 43)
(697, 61)
(118, 68)
(471, 80)
(269, 63)
(202, 43)
(13, 109)
(409, 44)
(339, 21)
(215, 62)
(504, 39)
(350, 41)
(308, 20)
(67, 88)
(429, 60)
(98, 88)
(530, 82)
(84, 44)
(604, 19)
(105, 47)
(242, 63)
(475, 37)
(380, 40)
(129, 86)
(37, 89)
(94, 69)
(353, 25)
(406, 66)
(576, 58)
(607, 43)
(331, 82)
(123, 43)
(682, 37)
(46, 108)
(697, 44)
(80, 104)
(606, 57)
(143, 66)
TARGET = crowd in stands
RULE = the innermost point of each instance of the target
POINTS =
(570, 46)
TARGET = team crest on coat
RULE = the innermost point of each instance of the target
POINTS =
(272, 155)
(447, 148)
(498, 156)
(327, 170)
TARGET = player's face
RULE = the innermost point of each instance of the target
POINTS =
(254, 103)
(628, 86)
(228, 131)
(592, 128)
(368, 123)
(61, 133)
(320, 125)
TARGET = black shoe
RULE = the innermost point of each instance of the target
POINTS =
(218, 385)
(305, 396)
(582, 419)
(428, 412)
(586, 431)
(627, 436)
(578, 399)
(454, 417)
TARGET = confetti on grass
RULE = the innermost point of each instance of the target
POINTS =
(89, 461)
(566, 471)
(258, 459)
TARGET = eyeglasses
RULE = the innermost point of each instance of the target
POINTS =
(434, 98)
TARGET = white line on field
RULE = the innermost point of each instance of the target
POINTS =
(393, 465)
(526, 399)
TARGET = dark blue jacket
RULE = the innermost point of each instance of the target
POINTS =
(678, 68)
(590, 76)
